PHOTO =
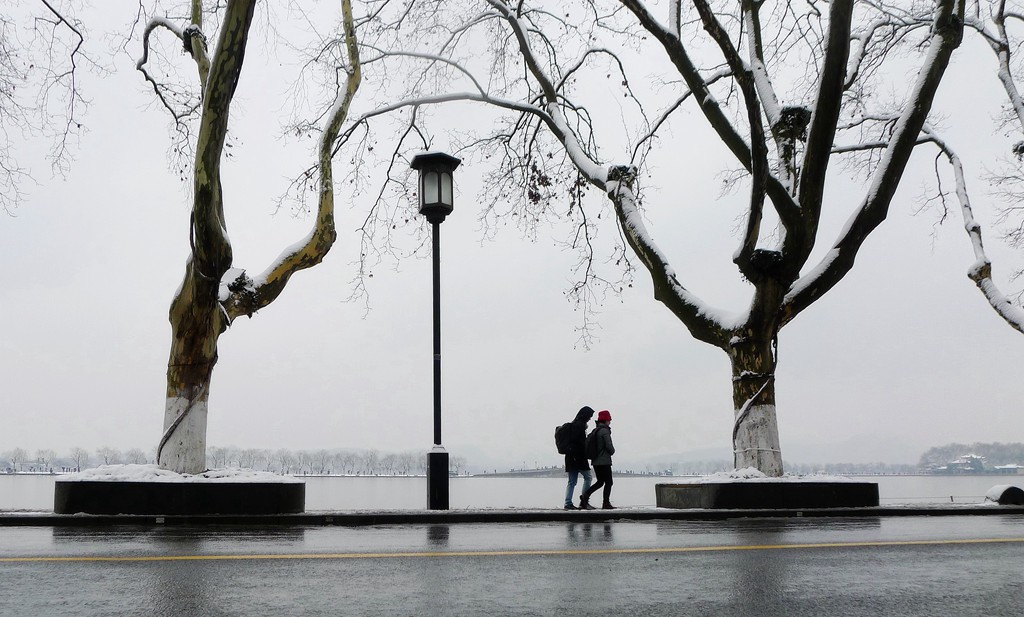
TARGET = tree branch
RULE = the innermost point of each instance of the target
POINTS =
(981, 271)
(249, 298)
(822, 129)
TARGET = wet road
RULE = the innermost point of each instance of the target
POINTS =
(765, 567)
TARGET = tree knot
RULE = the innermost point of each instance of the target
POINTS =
(191, 31)
(765, 264)
(244, 293)
(1018, 150)
(793, 122)
(625, 174)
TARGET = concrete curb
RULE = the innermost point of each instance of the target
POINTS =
(447, 517)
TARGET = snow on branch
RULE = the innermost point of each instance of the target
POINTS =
(248, 296)
(140, 65)
(981, 271)
(704, 323)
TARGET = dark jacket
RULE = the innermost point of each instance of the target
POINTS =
(605, 448)
(576, 457)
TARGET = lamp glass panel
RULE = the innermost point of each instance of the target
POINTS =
(430, 187)
(446, 189)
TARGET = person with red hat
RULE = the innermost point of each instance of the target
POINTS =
(602, 461)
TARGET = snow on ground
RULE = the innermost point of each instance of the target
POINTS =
(153, 473)
(749, 474)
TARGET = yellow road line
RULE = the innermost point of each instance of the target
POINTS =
(515, 553)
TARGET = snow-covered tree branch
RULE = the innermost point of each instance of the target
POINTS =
(981, 271)
(993, 21)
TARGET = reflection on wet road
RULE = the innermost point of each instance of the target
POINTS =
(870, 566)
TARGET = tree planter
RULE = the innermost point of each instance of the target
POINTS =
(133, 489)
(767, 494)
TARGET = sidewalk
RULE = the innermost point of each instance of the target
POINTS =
(359, 518)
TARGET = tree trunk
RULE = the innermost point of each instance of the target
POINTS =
(755, 434)
(197, 322)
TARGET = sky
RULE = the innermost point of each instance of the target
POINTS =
(902, 355)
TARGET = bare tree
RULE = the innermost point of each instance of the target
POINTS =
(216, 456)
(304, 461)
(135, 456)
(387, 463)
(322, 459)
(214, 293)
(16, 458)
(371, 463)
(456, 464)
(42, 53)
(80, 456)
(407, 462)
(347, 462)
(249, 458)
(109, 455)
(285, 460)
(783, 87)
(266, 457)
(46, 458)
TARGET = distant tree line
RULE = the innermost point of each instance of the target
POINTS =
(282, 461)
(705, 467)
(411, 463)
(48, 461)
(839, 469)
(688, 468)
(327, 462)
(993, 453)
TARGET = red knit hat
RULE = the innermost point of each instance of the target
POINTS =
(604, 416)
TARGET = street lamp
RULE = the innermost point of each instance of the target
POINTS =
(436, 201)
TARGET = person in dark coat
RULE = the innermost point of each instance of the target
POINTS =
(576, 458)
(602, 463)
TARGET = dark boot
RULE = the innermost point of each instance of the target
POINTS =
(585, 504)
(607, 506)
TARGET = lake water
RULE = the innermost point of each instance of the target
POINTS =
(35, 492)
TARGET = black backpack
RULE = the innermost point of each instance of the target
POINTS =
(593, 446)
(563, 434)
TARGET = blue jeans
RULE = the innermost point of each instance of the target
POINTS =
(573, 476)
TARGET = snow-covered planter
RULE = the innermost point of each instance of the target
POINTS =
(153, 473)
(148, 489)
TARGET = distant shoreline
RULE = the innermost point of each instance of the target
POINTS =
(557, 473)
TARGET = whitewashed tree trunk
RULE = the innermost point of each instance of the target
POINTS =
(756, 441)
(755, 434)
(185, 450)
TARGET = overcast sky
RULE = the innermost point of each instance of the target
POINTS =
(902, 355)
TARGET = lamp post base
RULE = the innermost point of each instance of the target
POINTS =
(437, 479)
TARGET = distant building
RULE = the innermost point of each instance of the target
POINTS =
(974, 464)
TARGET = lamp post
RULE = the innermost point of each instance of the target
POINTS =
(436, 201)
